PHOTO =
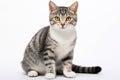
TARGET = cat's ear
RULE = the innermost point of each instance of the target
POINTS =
(52, 6)
(74, 7)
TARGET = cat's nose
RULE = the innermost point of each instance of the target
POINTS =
(62, 24)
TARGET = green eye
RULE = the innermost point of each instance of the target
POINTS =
(68, 18)
(57, 18)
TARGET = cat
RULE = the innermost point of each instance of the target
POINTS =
(50, 51)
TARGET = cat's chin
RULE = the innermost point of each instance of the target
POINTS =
(61, 29)
(65, 28)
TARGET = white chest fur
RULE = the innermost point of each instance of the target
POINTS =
(62, 50)
(65, 40)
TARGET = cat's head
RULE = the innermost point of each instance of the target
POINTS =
(63, 18)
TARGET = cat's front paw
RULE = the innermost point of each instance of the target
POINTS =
(50, 75)
(70, 74)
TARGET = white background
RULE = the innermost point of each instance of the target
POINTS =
(98, 31)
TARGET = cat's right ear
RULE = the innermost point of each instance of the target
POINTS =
(74, 7)
(52, 6)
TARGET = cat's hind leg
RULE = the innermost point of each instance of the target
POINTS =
(32, 73)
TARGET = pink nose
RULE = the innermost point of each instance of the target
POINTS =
(62, 24)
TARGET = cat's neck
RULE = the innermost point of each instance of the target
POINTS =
(63, 36)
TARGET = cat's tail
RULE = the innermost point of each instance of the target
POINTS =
(81, 69)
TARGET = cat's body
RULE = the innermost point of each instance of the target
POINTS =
(52, 43)
(51, 49)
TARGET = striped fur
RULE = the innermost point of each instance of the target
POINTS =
(81, 69)
(41, 49)
(50, 51)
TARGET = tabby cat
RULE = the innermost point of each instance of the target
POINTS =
(50, 51)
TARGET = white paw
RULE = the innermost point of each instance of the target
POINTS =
(70, 74)
(32, 74)
(50, 75)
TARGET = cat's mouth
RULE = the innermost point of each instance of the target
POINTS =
(62, 27)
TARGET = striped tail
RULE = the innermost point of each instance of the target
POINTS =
(80, 69)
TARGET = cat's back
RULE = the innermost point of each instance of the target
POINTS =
(37, 42)
(42, 32)
(31, 54)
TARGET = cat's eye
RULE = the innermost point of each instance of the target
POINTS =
(68, 18)
(57, 18)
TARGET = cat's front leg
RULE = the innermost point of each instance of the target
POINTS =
(67, 67)
(49, 61)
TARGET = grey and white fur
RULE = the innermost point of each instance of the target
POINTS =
(50, 51)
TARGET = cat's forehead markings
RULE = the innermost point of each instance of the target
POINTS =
(63, 10)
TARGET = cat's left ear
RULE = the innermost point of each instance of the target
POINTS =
(74, 7)
(52, 6)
